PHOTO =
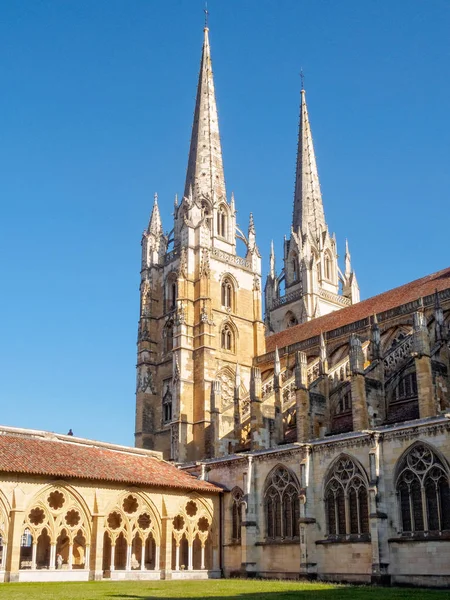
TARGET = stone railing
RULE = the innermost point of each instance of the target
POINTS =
(231, 259)
(290, 297)
(172, 255)
(398, 354)
(326, 295)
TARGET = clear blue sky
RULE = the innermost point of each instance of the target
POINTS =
(96, 106)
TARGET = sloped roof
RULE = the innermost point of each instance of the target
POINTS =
(376, 304)
(51, 455)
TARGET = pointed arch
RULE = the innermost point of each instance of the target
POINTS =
(237, 502)
(422, 484)
(228, 287)
(228, 336)
(222, 220)
(346, 498)
(282, 504)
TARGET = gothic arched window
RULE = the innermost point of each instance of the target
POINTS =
(167, 406)
(282, 505)
(221, 222)
(423, 491)
(168, 336)
(227, 338)
(294, 268)
(327, 266)
(236, 514)
(171, 292)
(346, 499)
(227, 293)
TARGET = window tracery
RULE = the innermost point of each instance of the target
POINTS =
(282, 505)
(55, 523)
(222, 222)
(227, 293)
(132, 535)
(236, 514)
(191, 540)
(227, 338)
(423, 491)
(346, 499)
(168, 336)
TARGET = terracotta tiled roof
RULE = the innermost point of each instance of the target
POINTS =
(377, 304)
(51, 455)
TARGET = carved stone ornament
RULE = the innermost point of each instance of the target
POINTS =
(144, 333)
(181, 314)
(145, 381)
(256, 284)
(182, 269)
(204, 318)
(146, 299)
(176, 369)
(205, 268)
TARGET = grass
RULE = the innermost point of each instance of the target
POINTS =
(221, 588)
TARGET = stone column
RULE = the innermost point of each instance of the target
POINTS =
(303, 416)
(358, 385)
(177, 555)
(14, 537)
(190, 556)
(96, 569)
(113, 555)
(70, 556)
(202, 564)
(33, 556)
(143, 554)
(128, 563)
(422, 358)
(51, 566)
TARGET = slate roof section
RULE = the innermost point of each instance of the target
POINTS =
(409, 292)
(51, 455)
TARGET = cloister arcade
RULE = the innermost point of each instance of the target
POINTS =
(127, 534)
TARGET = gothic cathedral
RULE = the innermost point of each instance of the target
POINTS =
(201, 324)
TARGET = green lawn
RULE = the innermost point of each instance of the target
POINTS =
(222, 588)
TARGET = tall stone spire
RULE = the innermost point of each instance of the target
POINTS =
(308, 207)
(155, 225)
(205, 166)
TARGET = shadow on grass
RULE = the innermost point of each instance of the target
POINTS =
(340, 592)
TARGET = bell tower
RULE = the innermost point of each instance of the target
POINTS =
(310, 283)
(200, 320)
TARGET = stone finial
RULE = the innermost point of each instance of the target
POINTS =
(356, 355)
(375, 339)
(272, 261)
(323, 355)
(255, 384)
(215, 395)
(421, 339)
(301, 370)
(348, 263)
(441, 331)
(155, 224)
(277, 365)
